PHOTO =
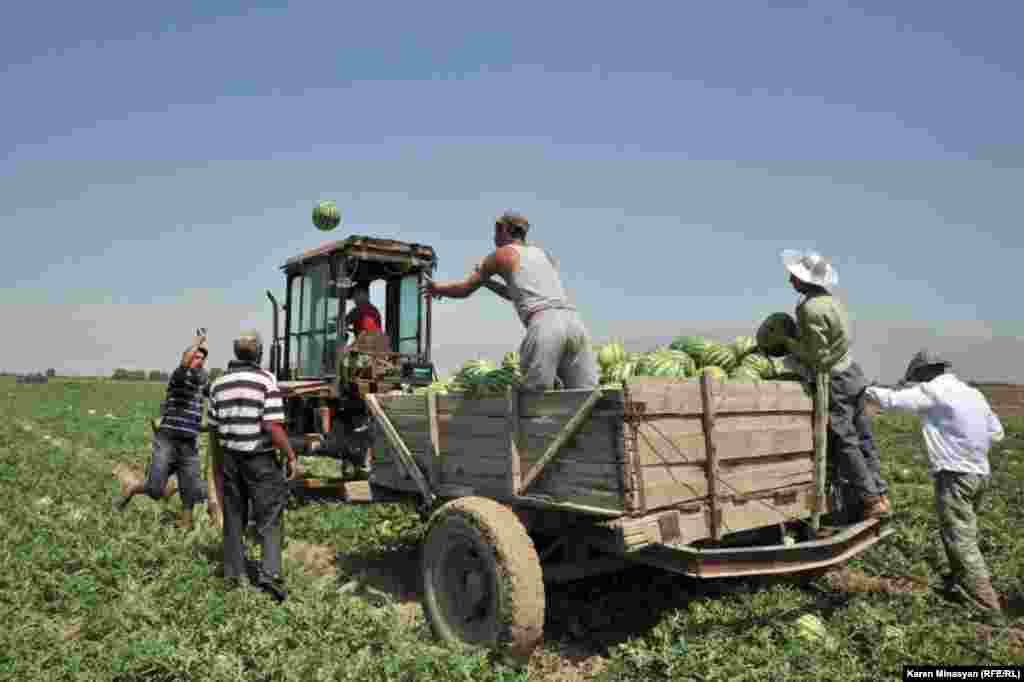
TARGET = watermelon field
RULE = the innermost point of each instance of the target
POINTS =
(88, 593)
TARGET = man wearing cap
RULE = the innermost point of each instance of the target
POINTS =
(175, 448)
(959, 428)
(822, 344)
(557, 344)
(247, 424)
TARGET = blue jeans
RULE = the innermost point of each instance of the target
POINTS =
(172, 455)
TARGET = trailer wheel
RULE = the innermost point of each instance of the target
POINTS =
(482, 579)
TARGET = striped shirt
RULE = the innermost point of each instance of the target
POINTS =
(241, 401)
(182, 410)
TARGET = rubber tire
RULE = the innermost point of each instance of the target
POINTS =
(514, 622)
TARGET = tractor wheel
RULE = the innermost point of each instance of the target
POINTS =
(482, 579)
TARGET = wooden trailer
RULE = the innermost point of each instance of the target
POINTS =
(707, 478)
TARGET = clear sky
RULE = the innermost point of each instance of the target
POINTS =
(160, 163)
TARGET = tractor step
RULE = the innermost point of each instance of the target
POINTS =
(352, 492)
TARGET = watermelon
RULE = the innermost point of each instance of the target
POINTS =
(713, 372)
(742, 346)
(760, 363)
(610, 354)
(745, 373)
(718, 355)
(621, 371)
(774, 328)
(783, 373)
(326, 216)
(691, 345)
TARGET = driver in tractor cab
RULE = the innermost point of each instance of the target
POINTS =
(557, 345)
(364, 317)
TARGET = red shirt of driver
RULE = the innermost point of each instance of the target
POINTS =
(365, 318)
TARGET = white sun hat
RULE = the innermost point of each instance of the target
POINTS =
(810, 267)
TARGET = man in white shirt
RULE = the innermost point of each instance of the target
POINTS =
(959, 428)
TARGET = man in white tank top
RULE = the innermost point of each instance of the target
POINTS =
(557, 344)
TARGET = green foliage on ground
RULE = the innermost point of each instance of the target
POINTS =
(87, 593)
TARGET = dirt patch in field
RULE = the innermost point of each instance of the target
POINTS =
(316, 560)
(854, 581)
(1014, 635)
(565, 663)
(128, 476)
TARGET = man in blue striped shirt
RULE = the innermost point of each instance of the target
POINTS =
(247, 423)
(175, 448)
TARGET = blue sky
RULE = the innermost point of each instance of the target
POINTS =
(158, 165)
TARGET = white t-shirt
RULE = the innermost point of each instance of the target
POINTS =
(958, 424)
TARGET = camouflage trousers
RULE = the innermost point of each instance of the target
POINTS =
(957, 497)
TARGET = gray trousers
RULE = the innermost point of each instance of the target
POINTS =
(957, 497)
(173, 455)
(851, 441)
(259, 479)
(557, 345)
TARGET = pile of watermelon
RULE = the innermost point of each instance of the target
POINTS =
(688, 357)
(480, 377)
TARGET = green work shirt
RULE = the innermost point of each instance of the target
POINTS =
(823, 333)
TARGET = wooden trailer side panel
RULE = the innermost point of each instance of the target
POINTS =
(474, 438)
(762, 468)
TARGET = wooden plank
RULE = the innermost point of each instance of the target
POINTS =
(513, 429)
(687, 483)
(662, 395)
(681, 439)
(454, 467)
(571, 463)
(400, 449)
(737, 516)
(533, 404)
(570, 495)
(762, 396)
(594, 447)
(548, 427)
(707, 397)
(567, 432)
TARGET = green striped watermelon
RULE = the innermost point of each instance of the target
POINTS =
(713, 372)
(771, 332)
(691, 345)
(760, 363)
(326, 216)
(745, 373)
(719, 355)
(743, 345)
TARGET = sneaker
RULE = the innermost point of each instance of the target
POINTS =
(184, 520)
(274, 586)
(873, 507)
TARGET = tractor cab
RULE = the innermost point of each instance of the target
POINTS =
(320, 347)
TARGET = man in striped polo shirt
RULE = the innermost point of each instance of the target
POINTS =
(246, 418)
(175, 448)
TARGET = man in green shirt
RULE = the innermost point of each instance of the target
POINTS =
(823, 344)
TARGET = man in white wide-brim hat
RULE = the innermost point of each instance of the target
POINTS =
(822, 344)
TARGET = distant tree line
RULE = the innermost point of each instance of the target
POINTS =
(121, 374)
(31, 377)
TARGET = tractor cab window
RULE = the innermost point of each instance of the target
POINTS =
(409, 316)
(312, 322)
(405, 313)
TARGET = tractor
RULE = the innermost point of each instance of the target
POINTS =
(322, 370)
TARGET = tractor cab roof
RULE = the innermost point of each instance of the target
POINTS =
(368, 257)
